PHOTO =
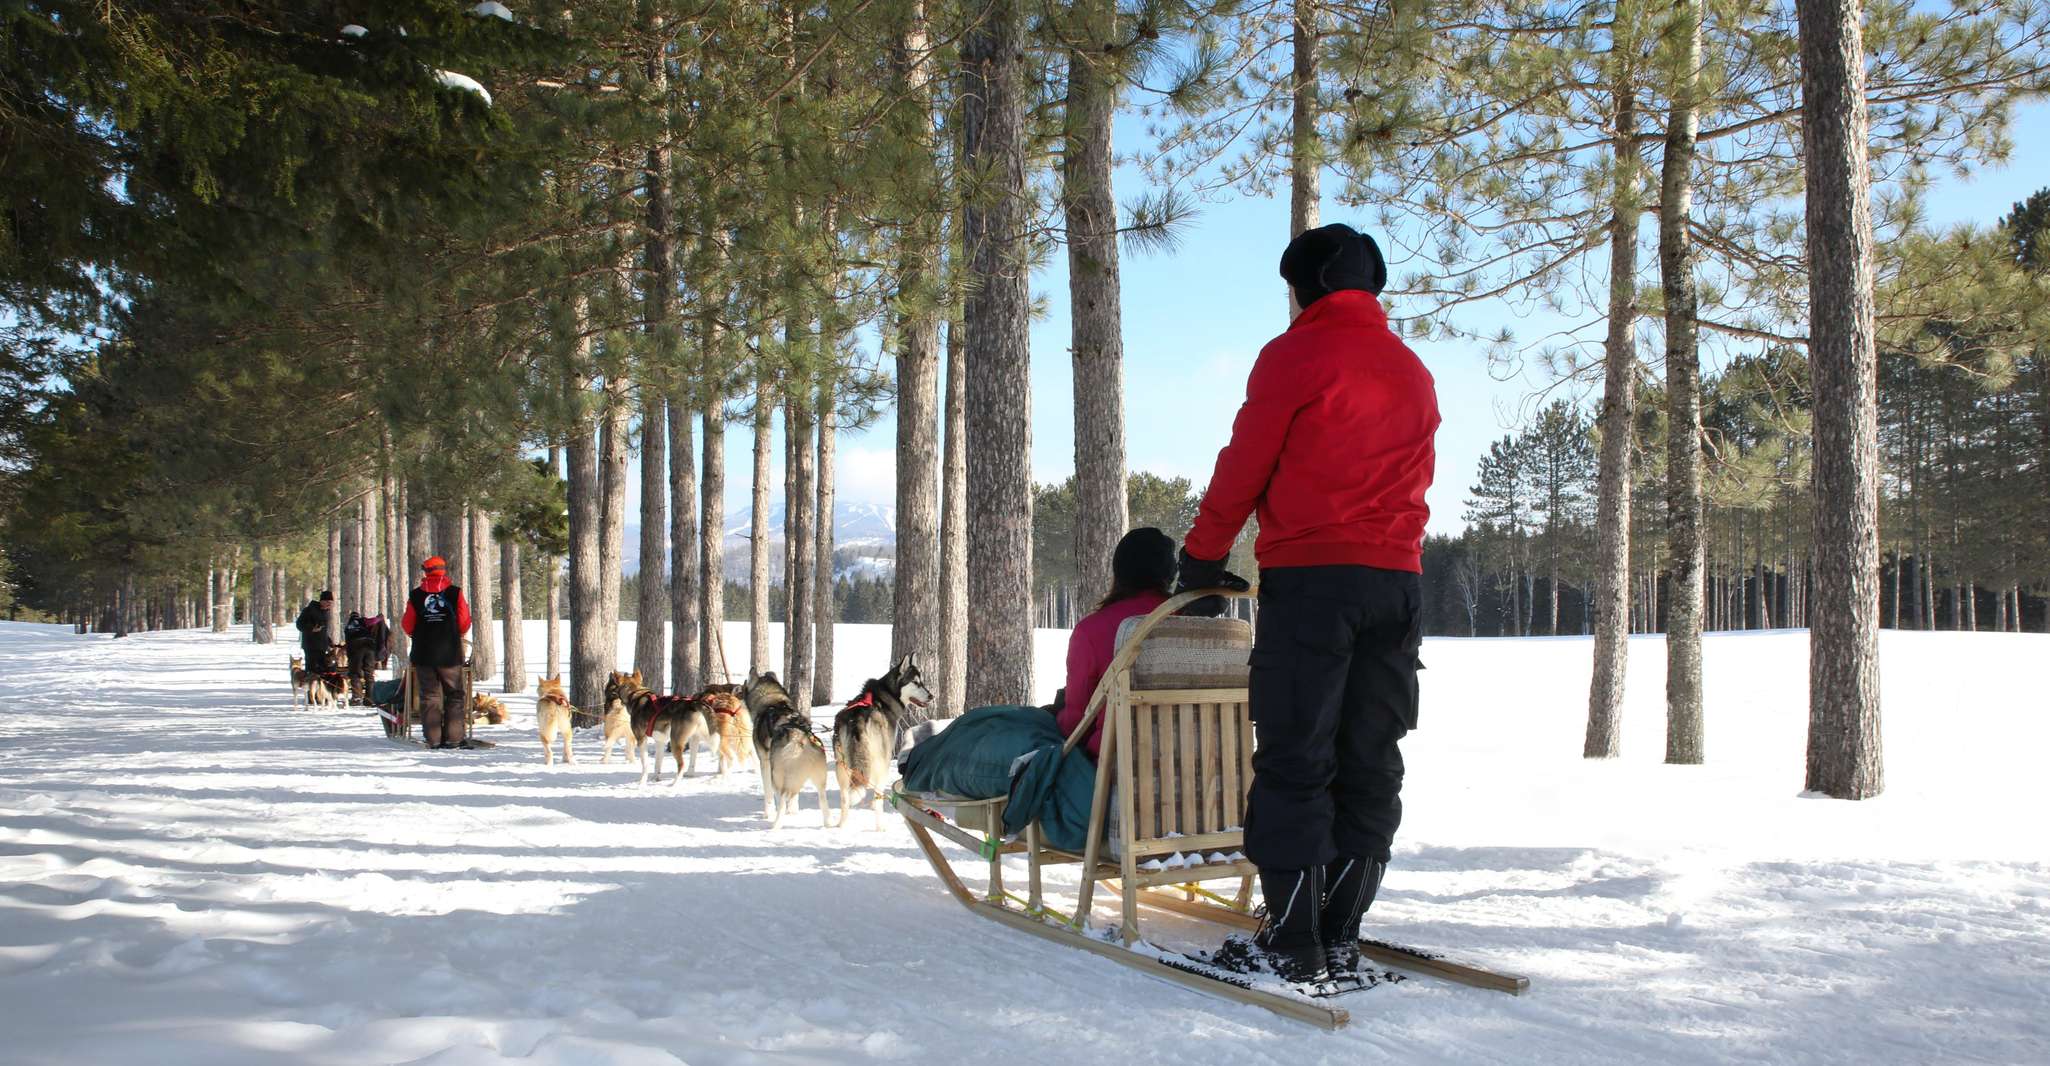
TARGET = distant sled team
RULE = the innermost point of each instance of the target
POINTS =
(755, 721)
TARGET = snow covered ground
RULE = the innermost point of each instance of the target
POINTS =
(191, 871)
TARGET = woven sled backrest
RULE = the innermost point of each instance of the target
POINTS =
(1190, 653)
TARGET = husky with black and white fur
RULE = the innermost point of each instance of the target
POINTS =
(868, 733)
(790, 756)
(678, 723)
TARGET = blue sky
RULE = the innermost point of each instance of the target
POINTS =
(1195, 319)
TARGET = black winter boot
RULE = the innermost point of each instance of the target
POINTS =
(1350, 886)
(1287, 944)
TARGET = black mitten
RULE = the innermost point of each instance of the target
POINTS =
(1207, 574)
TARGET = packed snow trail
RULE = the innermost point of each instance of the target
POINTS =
(192, 871)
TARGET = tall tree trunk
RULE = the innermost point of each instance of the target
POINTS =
(1619, 401)
(514, 612)
(953, 635)
(651, 631)
(334, 558)
(219, 605)
(1684, 738)
(758, 660)
(612, 449)
(802, 537)
(1305, 148)
(684, 670)
(916, 598)
(659, 599)
(553, 638)
(823, 613)
(712, 546)
(588, 665)
(452, 541)
(483, 563)
(392, 523)
(366, 538)
(999, 379)
(259, 597)
(1095, 318)
(1844, 759)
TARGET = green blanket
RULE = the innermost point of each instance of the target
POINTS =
(979, 755)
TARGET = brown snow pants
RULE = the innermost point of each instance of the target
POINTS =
(442, 714)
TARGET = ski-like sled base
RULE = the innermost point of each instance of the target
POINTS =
(1305, 1010)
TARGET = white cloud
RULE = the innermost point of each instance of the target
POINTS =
(865, 475)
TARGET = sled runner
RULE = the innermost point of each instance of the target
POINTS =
(1165, 817)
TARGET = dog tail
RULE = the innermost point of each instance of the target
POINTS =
(848, 740)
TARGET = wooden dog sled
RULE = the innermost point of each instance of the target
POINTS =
(1176, 761)
(399, 723)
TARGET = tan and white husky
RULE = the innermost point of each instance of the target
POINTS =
(552, 713)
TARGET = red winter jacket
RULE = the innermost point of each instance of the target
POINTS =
(1333, 446)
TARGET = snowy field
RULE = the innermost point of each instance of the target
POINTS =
(190, 871)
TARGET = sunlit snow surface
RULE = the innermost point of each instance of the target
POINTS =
(191, 871)
(453, 80)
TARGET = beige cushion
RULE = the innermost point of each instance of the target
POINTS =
(1190, 653)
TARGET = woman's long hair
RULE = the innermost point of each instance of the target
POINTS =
(1144, 562)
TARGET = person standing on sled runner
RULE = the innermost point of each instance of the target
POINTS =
(436, 618)
(368, 641)
(316, 627)
(1333, 448)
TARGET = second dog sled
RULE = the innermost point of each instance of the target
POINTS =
(1165, 818)
(401, 714)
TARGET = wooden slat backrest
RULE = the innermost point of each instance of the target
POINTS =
(1191, 766)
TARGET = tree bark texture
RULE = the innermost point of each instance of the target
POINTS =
(802, 537)
(334, 560)
(612, 449)
(999, 398)
(483, 579)
(758, 660)
(1612, 509)
(259, 597)
(823, 613)
(952, 689)
(651, 633)
(684, 670)
(514, 611)
(553, 638)
(916, 599)
(712, 546)
(1844, 759)
(1305, 186)
(1102, 511)
(1684, 727)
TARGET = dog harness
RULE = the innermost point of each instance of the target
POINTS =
(866, 699)
(656, 705)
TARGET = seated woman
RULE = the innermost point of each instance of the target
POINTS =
(1142, 576)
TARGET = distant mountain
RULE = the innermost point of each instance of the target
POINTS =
(855, 525)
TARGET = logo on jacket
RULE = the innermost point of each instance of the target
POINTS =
(434, 607)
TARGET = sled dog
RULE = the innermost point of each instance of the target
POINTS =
(486, 708)
(678, 723)
(732, 723)
(790, 755)
(869, 732)
(552, 717)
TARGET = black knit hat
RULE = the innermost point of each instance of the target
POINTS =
(1144, 559)
(1330, 258)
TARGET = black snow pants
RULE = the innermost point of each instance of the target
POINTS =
(1334, 689)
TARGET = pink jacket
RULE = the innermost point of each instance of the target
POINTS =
(1090, 650)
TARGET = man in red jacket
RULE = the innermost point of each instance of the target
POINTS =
(1333, 448)
(436, 618)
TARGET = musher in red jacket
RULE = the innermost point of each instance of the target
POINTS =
(1333, 448)
(436, 618)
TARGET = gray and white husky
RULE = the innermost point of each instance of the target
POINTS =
(868, 733)
(791, 757)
